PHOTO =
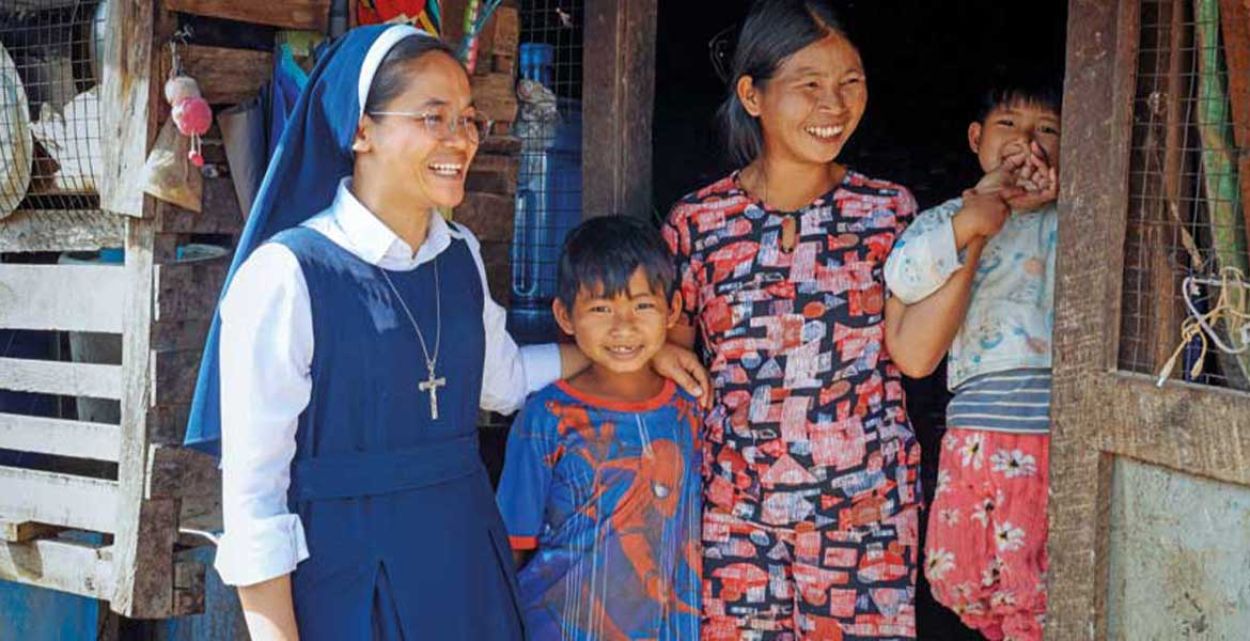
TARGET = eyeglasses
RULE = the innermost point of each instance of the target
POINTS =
(475, 127)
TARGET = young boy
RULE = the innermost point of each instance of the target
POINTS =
(601, 482)
(975, 275)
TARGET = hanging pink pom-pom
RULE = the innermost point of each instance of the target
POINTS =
(195, 158)
(193, 116)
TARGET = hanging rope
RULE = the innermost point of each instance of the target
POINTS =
(1226, 311)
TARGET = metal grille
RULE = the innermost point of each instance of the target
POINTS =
(1189, 188)
(49, 109)
(549, 181)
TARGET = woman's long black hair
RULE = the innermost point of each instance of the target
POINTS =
(773, 31)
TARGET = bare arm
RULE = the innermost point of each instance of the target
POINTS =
(918, 335)
(269, 610)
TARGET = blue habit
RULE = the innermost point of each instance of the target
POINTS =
(312, 156)
(403, 534)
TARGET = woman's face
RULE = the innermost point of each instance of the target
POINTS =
(812, 104)
(421, 159)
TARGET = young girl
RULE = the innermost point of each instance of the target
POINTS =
(810, 496)
(356, 346)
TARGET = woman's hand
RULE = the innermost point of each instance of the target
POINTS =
(683, 367)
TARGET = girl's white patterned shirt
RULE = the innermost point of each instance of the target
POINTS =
(1011, 315)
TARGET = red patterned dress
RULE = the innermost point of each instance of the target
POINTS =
(810, 472)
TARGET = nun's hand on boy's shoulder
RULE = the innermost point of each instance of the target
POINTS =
(684, 368)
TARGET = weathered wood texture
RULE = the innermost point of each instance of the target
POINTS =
(226, 76)
(1093, 205)
(66, 379)
(618, 95)
(177, 472)
(188, 291)
(305, 15)
(22, 531)
(82, 298)
(61, 230)
(1235, 18)
(127, 90)
(58, 499)
(61, 565)
(220, 215)
(59, 437)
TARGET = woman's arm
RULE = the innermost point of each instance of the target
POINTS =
(918, 335)
(269, 610)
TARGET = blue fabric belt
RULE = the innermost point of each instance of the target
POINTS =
(343, 476)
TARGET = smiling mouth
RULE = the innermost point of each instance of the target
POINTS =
(624, 351)
(828, 133)
(447, 170)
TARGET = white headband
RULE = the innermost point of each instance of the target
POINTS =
(377, 52)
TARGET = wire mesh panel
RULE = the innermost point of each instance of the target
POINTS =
(1186, 248)
(549, 182)
(49, 108)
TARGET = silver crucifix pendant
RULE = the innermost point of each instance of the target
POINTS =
(431, 385)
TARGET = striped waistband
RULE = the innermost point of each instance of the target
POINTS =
(1010, 401)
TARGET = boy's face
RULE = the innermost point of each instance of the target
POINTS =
(622, 333)
(1009, 129)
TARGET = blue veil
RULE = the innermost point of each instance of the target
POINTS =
(311, 158)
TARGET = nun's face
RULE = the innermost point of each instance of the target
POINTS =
(423, 155)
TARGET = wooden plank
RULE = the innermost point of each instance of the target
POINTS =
(303, 15)
(226, 76)
(22, 531)
(178, 472)
(1196, 429)
(1235, 17)
(65, 379)
(58, 499)
(494, 95)
(1101, 48)
(493, 173)
(82, 298)
(68, 566)
(618, 96)
(60, 230)
(59, 437)
(488, 216)
(189, 290)
(220, 215)
(127, 104)
(147, 529)
(173, 376)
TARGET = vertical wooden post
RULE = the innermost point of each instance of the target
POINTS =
(1098, 94)
(131, 91)
(618, 95)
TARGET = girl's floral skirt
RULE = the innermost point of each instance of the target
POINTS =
(986, 544)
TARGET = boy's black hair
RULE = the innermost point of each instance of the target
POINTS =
(773, 31)
(604, 252)
(1014, 88)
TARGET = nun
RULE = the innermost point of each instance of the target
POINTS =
(353, 346)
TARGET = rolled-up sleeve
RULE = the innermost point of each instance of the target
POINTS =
(266, 352)
(925, 256)
(510, 373)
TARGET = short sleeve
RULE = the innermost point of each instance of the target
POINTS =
(531, 455)
(677, 234)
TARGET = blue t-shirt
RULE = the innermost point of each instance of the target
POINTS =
(607, 494)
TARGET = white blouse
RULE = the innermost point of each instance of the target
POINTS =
(266, 354)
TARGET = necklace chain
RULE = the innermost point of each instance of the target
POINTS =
(430, 362)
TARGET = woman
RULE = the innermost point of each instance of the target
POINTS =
(810, 495)
(356, 346)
